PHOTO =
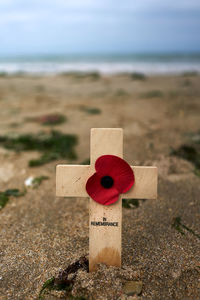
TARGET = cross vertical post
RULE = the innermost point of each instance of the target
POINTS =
(105, 241)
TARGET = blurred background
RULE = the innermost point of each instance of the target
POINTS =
(107, 36)
(67, 66)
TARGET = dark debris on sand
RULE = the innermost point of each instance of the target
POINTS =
(54, 145)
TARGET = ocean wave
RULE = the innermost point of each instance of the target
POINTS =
(103, 67)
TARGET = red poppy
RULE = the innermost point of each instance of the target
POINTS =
(113, 177)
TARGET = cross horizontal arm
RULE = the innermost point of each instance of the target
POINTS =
(145, 186)
(71, 180)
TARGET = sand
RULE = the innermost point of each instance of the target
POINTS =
(41, 234)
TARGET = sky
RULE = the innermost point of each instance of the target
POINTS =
(99, 26)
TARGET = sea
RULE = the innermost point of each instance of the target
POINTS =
(171, 63)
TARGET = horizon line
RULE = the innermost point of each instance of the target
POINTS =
(108, 53)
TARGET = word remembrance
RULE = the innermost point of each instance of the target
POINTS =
(106, 181)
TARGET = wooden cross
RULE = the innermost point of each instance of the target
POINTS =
(104, 241)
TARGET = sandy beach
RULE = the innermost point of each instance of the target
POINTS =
(41, 234)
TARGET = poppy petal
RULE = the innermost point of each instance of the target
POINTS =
(100, 194)
(118, 169)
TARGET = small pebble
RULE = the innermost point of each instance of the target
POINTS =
(131, 288)
(29, 181)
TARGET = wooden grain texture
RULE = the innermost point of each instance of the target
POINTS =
(71, 180)
(105, 241)
(145, 186)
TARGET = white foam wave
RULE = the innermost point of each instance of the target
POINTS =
(102, 67)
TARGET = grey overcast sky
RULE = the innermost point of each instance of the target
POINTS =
(99, 26)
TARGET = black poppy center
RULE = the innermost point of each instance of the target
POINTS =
(107, 182)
